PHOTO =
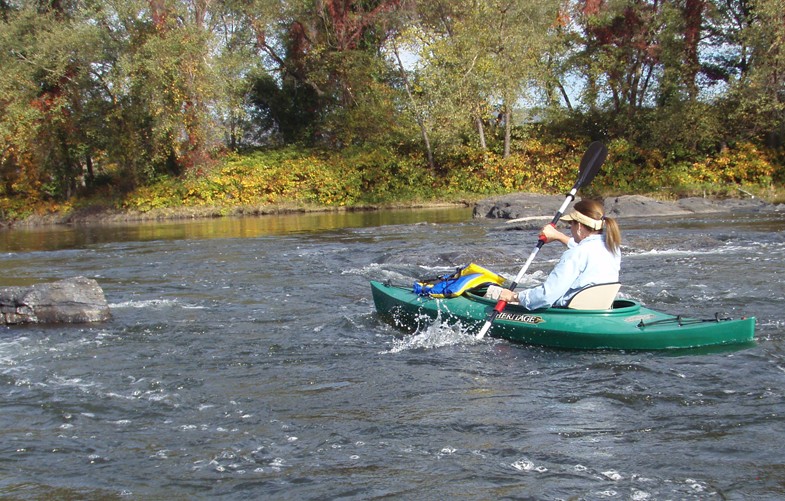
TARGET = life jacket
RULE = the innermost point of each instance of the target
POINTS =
(455, 284)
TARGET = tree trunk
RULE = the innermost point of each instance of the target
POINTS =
(564, 95)
(89, 166)
(481, 132)
(507, 131)
(693, 20)
(418, 118)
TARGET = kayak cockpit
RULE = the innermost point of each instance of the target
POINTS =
(620, 306)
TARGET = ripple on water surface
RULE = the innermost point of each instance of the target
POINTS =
(253, 365)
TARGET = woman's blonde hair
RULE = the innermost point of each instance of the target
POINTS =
(595, 210)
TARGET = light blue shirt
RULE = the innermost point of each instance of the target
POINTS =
(582, 264)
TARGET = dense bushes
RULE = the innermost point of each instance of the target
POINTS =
(375, 176)
(632, 169)
(358, 176)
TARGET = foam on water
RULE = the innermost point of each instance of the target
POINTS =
(730, 249)
(154, 303)
(525, 464)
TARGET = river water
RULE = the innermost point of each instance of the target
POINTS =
(245, 361)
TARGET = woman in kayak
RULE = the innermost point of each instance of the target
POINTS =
(593, 256)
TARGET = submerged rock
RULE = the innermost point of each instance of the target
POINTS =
(73, 300)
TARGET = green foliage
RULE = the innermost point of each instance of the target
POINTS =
(290, 109)
(362, 176)
(631, 169)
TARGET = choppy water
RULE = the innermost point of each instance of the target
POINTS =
(245, 361)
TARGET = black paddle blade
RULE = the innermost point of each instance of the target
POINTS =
(591, 162)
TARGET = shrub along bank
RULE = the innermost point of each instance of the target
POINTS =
(298, 178)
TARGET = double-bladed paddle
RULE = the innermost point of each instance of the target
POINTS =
(590, 164)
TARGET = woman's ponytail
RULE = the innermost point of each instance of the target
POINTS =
(612, 235)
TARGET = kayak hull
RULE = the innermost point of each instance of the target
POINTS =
(627, 326)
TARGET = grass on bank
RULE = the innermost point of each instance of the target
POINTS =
(303, 179)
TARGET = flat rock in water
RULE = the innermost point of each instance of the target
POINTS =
(698, 205)
(640, 206)
(74, 300)
(518, 205)
(534, 207)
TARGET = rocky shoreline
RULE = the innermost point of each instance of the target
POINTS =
(527, 206)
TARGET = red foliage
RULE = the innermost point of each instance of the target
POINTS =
(350, 19)
(298, 40)
(159, 12)
(592, 7)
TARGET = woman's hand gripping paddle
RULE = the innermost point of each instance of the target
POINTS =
(590, 164)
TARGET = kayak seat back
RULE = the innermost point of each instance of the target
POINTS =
(595, 297)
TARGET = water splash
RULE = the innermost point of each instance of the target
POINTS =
(438, 333)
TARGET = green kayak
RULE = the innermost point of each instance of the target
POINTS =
(626, 326)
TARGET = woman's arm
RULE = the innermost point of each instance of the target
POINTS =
(555, 286)
(551, 234)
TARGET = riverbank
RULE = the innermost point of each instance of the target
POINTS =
(302, 180)
(515, 207)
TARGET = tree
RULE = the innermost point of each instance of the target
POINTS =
(106, 85)
(167, 81)
(747, 57)
(693, 11)
(238, 64)
(519, 37)
(329, 70)
(419, 116)
(44, 91)
(477, 57)
(622, 49)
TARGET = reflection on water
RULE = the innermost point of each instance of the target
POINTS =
(62, 237)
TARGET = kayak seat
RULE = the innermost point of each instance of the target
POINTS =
(595, 297)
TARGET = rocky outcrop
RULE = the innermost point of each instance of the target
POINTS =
(74, 300)
(517, 206)
(524, 206)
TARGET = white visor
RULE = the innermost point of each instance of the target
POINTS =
(594, 224)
